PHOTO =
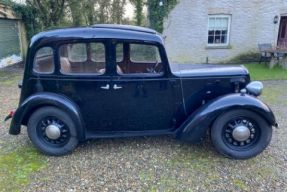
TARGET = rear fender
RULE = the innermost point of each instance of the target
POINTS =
(38, 100)
(195, 127)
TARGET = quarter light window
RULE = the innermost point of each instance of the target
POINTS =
(44, 61)
(84, 58)
(218, 30)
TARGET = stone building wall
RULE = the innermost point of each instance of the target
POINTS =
(186, 28)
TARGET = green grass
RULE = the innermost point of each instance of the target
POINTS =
(262, 72)
(17, 166)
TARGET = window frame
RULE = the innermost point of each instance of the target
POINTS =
(53, 59)
(228, 30)
(141, 75)
(84, 42)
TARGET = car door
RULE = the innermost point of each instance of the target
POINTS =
(144, 95)
(85, 78)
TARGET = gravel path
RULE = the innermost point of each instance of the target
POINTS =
(151, 163)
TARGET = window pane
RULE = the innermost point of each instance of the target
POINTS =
(44, 60)
(119, 52)
(224, 39)
(217, 39)
(224, 23)
(210, 39)
(211, 23)
(217, 23)
(144, 53)
(98, 52)
(77, 52)
(83, 58)
(217, 32)
(211, 32)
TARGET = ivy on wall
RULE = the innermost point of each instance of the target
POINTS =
(158, 10)
(28, 15)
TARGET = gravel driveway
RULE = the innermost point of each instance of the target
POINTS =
(139, 164)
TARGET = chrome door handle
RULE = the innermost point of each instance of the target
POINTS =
(106, 87)
(117, 87)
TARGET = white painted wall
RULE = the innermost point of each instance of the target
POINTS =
(185, 29)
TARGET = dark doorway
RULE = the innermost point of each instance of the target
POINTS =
(282, 37)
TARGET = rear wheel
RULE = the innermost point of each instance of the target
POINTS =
(52, 131)
(240, 134)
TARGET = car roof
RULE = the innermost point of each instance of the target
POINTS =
(99, 31)
(125, 27)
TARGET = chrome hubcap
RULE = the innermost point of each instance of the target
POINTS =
(53, 132)
(241, 133)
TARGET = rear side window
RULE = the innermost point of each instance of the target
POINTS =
(85, 58)
(77, 52)
(98, 52)
(44, 61)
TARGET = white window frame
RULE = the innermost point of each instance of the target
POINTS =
(228, 30)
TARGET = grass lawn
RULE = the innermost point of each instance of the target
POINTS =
(262, 72)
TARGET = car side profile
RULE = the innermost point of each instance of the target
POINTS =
(107, 81)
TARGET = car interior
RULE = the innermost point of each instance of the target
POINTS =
(90, 58)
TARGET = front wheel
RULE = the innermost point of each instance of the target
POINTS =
(240, 134)
(52, 131)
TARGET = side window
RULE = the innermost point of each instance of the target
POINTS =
(144, 53)
(83, 58)
(143, 59)
(44, 61)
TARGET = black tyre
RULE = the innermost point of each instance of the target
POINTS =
(240, 134)
(52, 131)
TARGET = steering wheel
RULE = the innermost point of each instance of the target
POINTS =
(153, 68)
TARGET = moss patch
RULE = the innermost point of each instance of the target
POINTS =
(245, 57)
(17, 166)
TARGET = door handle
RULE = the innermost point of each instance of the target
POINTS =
(106, 87)
(117, 87)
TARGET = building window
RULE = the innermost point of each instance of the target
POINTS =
(218, 30)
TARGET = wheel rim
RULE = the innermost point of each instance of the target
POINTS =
(241, 133)
(53, 131)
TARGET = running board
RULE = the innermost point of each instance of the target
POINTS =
(116, 134)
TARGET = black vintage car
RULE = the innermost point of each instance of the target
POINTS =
(109, 81)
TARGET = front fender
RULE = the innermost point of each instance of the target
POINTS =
(46, 99)
(195, 127)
